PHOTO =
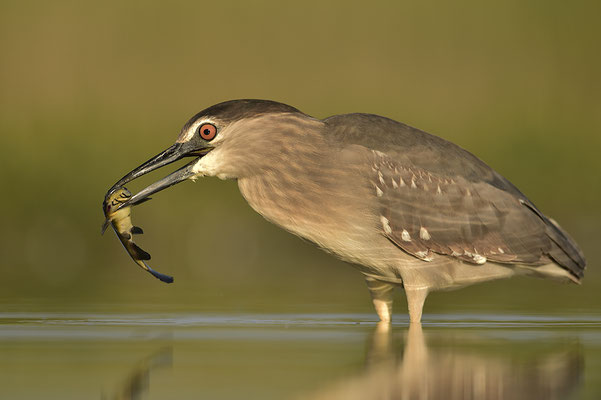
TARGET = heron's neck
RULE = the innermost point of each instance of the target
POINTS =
(267, 144)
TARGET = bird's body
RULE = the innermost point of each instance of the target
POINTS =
(406, 207)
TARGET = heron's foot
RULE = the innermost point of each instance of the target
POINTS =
(381, 296)
(415, 302)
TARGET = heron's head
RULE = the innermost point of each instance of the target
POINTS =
(233, 139)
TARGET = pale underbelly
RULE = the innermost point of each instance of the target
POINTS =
(350, 233)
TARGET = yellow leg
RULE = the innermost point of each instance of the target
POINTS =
(415, 302)
(381, 296)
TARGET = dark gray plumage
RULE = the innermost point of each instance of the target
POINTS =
(406, 207)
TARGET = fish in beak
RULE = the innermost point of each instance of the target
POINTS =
(120, 218)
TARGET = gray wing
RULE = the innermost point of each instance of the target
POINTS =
(425, 213)
(435, 197)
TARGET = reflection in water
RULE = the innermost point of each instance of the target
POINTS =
(422, 371)
(137, 382)
(68, 356)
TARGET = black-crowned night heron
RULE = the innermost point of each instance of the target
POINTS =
(405, 207)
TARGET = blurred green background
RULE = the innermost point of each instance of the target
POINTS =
(89, 90)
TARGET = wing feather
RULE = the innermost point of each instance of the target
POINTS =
(468, 210)
(472, 221)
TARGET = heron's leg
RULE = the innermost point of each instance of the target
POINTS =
(381, 296)
(415, 302)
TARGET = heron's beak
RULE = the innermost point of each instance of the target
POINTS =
(172, 154)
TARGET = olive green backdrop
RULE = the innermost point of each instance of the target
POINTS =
(89, 90)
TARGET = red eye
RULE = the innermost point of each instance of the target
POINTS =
(208, 132)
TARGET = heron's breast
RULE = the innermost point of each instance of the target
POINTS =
(331, 210)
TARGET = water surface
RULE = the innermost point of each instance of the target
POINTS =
(297, 356)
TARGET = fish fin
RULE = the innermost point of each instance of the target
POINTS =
(105, 225)
(136, 230)
(139, 254)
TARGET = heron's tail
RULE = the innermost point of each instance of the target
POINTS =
(565, 251)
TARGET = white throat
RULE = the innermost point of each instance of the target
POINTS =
(212, 164)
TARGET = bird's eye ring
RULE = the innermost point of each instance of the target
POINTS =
(207, 132)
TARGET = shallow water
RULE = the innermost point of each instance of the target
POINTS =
(297, 356)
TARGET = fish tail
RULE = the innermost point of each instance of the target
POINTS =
(158, 275)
